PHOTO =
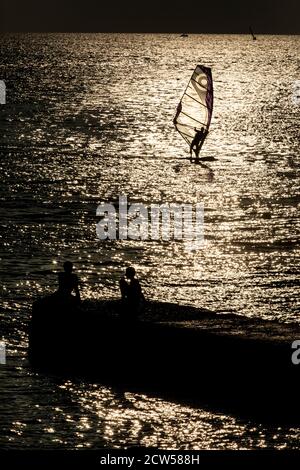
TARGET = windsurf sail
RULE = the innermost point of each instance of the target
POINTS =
(252, 34)
(194, 110)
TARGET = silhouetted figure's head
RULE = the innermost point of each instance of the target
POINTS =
(68, 267)
(130, 272)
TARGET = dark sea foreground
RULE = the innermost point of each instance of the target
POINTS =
(88, 118)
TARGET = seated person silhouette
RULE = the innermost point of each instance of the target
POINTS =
(68, 282)
(132, 297)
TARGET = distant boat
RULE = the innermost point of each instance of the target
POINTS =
(184, 35)
(194, 110)
(251, 32)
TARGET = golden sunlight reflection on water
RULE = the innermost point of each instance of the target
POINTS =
(126, 419)
(90, 119)
(105, 137)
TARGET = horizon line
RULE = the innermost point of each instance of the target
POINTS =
(152, 32)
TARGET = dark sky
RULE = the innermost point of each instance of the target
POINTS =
(210, 16)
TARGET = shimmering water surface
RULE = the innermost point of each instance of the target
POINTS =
(89, 117)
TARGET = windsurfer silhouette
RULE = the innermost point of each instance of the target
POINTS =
(197, 142)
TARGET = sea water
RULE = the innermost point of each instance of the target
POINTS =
(87, 118)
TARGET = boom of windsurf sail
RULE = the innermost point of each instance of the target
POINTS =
(194, 110)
